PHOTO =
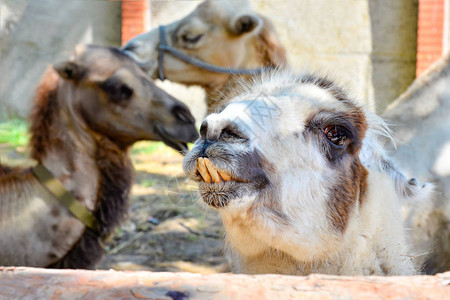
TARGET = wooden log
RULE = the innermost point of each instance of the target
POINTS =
(31, 283)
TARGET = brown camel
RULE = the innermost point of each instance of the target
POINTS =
(87, 113)
(222, 33)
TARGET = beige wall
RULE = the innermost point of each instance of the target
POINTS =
(369, 46)
(36, 33)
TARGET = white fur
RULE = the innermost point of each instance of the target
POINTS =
(374, 240)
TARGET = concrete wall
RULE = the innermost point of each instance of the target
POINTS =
(36, 33)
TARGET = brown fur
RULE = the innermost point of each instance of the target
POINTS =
(352, 173)
(116, 177)
(81, 135)
(43, 114)
(344, 197)
(4, 170)
(12, 177)
(114, 186)
(272, 53)
(326, 84)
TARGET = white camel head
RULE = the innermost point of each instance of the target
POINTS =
(282, 165)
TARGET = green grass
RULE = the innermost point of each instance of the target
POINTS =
(192, 237)
(14, 132)
(147, 183)
(146, 147)
(149, 147)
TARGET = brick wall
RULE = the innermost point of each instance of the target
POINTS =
(430, 35)
(134, 18)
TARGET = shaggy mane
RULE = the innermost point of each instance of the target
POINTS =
(43, 114)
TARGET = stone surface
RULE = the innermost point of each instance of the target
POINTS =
(29, 283)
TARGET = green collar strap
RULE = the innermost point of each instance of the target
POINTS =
(55, 187)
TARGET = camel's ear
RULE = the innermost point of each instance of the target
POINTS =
(245, 23)
(70, 70)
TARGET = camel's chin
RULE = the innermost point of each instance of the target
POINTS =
(218, 195)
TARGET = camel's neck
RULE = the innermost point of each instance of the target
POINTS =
(82, 160)
(98, 173)
(264, 50)
(60, 142)
(217, 96)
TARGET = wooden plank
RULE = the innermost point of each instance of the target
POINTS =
(32, 283)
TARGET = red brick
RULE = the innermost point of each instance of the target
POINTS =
(134, 18)
(430, 33)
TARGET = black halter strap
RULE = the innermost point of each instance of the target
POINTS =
(162, 43)
(163, 47)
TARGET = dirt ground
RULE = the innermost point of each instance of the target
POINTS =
(168, 228)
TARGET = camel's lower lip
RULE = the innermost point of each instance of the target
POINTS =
(218, 186)
(170, 141)
(218, 195)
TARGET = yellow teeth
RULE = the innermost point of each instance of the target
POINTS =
(202, 169)
(212, 171)
(208, 171)
(225, 175)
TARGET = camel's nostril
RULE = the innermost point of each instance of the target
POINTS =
(204, 128)
(183, 114)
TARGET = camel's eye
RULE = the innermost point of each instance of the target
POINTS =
(117, 91)
(190, 38)
(230, 133)
(125, 92)
(336, 135)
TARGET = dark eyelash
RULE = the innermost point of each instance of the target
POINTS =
(192, 40)
(230, 133)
